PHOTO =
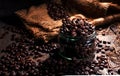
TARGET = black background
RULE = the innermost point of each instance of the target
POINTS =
(7, 7)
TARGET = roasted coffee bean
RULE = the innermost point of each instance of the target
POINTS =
(98, 50)
(106, 48)
(95, 62)
(96, 68)
(86, 73)
(109, 42)
(106, 65)
(91, 71)
(118, 71)
(76, 21)
(92, 66)
(111, 49)
(101, 67)
(103, 33)
(98, 57)
(87, 68)
(103, 52)
(104, 42)
(100, 41)
(99, 45)
(13, 73)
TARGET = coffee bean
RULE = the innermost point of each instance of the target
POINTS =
(92, 66)
(86, 73)
(101, 67)
(109, 42)
(100, 41)
(118, 71)
(13, 73)
(75, 21)
(96, 68)
(99, 45)
(103, 52)
(98, 50)
(74, 34)
(87, 68)
(106, 48)
(111, 49)
(104, 42)
(103, 34)
(91, 71)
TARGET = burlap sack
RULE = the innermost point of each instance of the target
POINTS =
(37, 20)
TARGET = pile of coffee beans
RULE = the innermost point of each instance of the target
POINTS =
(55, 10)
(59, 66)
(103, 49)
(76, 27)
(15, 58)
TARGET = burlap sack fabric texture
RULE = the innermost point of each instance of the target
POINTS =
(39, 22)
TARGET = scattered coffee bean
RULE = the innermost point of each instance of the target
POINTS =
(101, 67)
(100, 41)
(103, 33)
(111, 49)
(98, 50)
(109, 42)
(99, 45)
(107, 48)
(103, 52)
(118, 71)
(104, 42)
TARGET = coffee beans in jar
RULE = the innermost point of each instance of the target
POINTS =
(77, 39)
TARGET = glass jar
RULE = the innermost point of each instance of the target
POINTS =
(78, 47)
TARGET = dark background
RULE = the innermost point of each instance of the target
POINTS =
(7, 7)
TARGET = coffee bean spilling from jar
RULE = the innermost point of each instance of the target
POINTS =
(76, 27)
(56, 11)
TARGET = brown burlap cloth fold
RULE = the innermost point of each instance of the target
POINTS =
(37, 20)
